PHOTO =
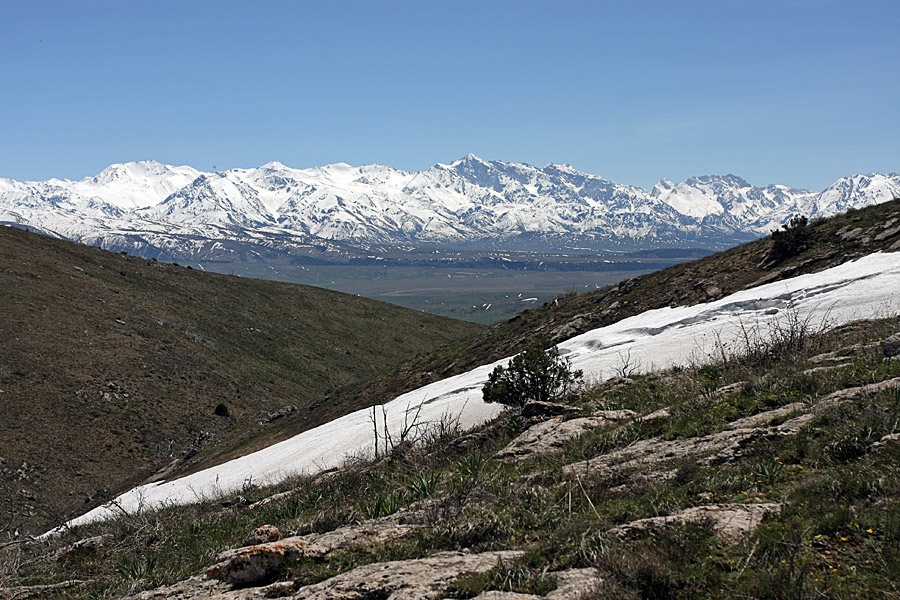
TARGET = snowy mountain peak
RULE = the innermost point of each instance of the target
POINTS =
(469, 158)
(469, 201)
(273, 166)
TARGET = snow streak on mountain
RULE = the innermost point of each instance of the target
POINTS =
(150, 208)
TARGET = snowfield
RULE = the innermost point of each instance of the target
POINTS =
(656, 339)
(139, 205)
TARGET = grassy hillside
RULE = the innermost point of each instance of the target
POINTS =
(772, 474)
(113, 367)
(824, 244)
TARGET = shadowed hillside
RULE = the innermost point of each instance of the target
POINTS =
(113, 367)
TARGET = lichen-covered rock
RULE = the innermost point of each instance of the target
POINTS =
(262, 535)
(253, 564)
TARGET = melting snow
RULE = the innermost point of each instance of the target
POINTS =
(656, 339)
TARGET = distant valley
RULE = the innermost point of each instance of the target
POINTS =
(472, 239)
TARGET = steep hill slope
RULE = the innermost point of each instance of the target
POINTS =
(827, 243)
(767, 472)
(112, 366)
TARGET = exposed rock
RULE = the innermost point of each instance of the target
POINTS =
(39, 591)
(419, 579)
(886, 234)
(662, 413)
(766, 417)
(864, 391)
(262, 535)
(576, 326)
(890, 346)
(570, 584)
(712, 291)
(884, 441)
(615, 415)
(732, 388)
(728, 521)
(253, 564)
(615, 383)
(495, 595)
(82, 547)
(655, 454)
(548, 437)
(548, 409)
(825, 369)
(466, 442)
(274, 498)
(198, 588)
(281, 413)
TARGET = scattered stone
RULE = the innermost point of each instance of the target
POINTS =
(728, 521)
(262, 535)
(890, 346)
(281, 413)
(548, 409)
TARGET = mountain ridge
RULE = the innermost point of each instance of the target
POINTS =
(146, 206)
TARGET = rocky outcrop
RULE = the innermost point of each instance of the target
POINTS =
(419, 579)
(538, 409)
(570, 584)
(550, 436)
(728, 521)
(262, 535)
(655, 455)
(40, 591)
(254, 564)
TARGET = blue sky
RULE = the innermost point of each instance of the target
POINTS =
(797, 92)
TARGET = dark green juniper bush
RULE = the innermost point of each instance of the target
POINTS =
(538, 374)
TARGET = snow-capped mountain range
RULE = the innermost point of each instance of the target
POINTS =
(154, 209)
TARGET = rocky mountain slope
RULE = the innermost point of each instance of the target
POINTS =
(113, 367)
(767, 472)
(169, 212)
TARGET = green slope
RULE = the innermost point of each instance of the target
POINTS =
(112, 366)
